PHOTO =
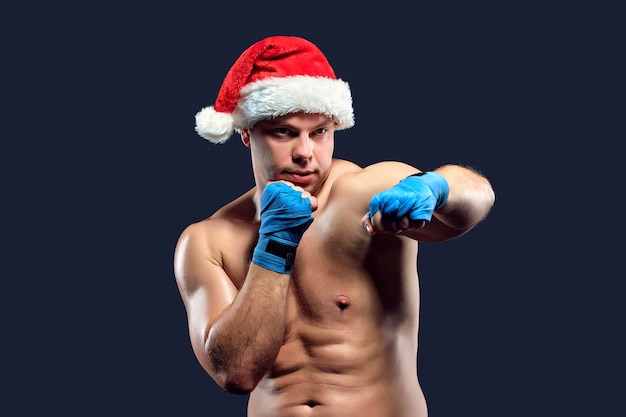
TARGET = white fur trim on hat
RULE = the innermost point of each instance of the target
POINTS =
(278, 96)
(273, 97)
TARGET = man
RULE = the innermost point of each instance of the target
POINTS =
(303, 292)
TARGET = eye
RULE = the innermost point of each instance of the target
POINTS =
(321, 131)
(281, 131)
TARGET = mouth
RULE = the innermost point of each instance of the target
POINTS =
(299, 177)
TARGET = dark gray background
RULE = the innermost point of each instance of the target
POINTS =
(101, 170)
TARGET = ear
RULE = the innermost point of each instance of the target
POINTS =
(245, 137)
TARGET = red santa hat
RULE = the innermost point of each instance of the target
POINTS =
(276, 76)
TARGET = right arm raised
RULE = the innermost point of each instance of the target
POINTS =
(235, 334)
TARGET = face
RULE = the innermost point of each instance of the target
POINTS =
(297, 148)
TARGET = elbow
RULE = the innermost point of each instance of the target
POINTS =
(234, 382)
(239, 387)
(474, 208)
(489, 199)
(230, 374)
(235, 367)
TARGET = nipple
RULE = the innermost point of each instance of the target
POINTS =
(342, 301)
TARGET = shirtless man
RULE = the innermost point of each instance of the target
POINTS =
(303, 292)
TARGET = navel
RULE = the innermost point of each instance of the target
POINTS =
(342, 301)
(312, 403)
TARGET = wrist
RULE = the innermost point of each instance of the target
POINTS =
(274, 253)
(437, 184)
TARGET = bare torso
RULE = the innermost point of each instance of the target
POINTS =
(352, 319)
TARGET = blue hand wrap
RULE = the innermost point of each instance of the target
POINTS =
(416, 197)
(285, 216)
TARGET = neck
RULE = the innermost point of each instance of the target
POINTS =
(256, 199)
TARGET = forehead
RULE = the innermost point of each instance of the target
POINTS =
(298, 120)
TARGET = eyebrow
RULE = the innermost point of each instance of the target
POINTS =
(274, 123)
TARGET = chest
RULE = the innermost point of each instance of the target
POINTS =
(341, 275)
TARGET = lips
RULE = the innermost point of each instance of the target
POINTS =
(299, 177)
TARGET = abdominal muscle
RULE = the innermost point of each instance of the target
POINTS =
(341, 371)
(350, 342)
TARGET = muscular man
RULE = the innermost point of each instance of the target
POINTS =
(303, 292)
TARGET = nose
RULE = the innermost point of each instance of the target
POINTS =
(303, 148)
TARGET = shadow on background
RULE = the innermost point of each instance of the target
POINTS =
(101, 171)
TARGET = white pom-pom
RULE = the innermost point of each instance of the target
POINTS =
(214, 126)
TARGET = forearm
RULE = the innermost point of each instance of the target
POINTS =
(245, 339)
(470, 197)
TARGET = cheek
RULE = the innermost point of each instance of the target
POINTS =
(263, 152)
(269, 159)
(324, 153)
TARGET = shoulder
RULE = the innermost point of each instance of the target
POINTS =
(387, 171)
(343, 166)
(354, 186)
(204, 239)
(242, 208)
(214, 247)
(372, 178)
(199, 242)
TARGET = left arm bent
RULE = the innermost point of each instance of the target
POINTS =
(470, 197)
